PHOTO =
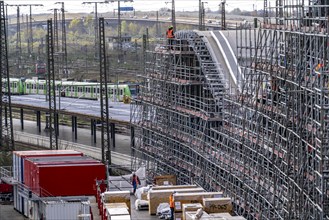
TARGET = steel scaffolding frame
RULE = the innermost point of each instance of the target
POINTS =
(266, 147)
(7, 142)
(51, 90)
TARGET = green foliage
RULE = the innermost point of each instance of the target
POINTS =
(6, 159)
(133, 28)
(88, 21)
(74, 24)
(124, 26)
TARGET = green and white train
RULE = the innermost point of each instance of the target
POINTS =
(86, 90)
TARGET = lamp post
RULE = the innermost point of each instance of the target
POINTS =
(223, 21)
(202, 15)
(64, 49)
(173, 16)
(96, 25)
(120, 55)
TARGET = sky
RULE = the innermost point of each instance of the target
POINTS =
(75, 6)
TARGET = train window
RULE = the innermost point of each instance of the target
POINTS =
(88, 90)
(94, 90)
(15, 85)
(121, 91)
(98, 91)
(27, 86)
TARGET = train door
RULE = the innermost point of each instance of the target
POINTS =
(33, 87)
(88, 92)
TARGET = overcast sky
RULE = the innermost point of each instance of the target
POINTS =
(139, 5)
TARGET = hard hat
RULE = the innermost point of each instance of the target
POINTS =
(171, 27)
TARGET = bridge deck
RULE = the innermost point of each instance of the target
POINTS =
(85, 108)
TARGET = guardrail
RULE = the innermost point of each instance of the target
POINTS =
(6, 172)
(41, 141)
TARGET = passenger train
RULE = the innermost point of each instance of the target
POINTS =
(87, 90)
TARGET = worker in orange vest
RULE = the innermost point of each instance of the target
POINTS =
(135, 182)
(170, 35)
(172, 205)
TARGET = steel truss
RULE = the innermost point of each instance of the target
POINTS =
(105, 127)
(6, 126)
(51, 90)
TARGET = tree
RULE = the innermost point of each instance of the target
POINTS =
(133, 28)
(236, 11)
(88, 23)
(124, 26)
(74, 24)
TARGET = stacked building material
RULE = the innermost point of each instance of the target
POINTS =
(217, 205)
(162, 196)
(115, 205)
(165, 180)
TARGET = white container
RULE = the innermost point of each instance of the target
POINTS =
(15, 195)
(119, 217)
(14, 167)
(33, 212)
(19, 203)
(25, 207)
(54, 210)
(116, 211)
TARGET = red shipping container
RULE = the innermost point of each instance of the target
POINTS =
(5, 188)
(67, 179)
(42, 153)
(22, 155)
(28, 171)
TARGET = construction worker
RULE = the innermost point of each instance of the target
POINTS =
(172, 205)
(170, 35)
(135, 182)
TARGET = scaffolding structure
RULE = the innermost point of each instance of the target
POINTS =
(266, 147)
(7, 142)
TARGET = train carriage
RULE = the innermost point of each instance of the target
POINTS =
(33, 86)
(84, 90)
(16, 86)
